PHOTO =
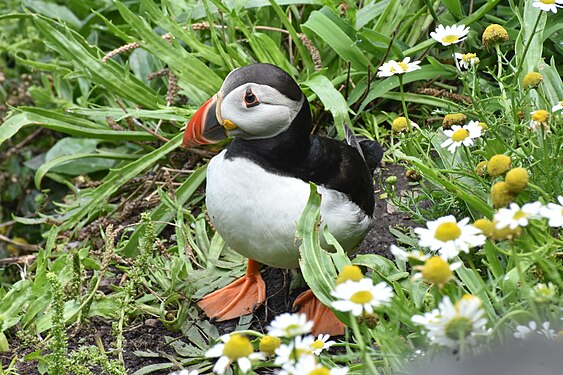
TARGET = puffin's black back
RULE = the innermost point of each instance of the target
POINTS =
(296, 153)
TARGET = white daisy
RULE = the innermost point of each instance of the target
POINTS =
(450, 237)
(289, 354)
(548, 5)
(416, 256)
(450, 34)
(290, 325)
(525, 332)
(554, 213)
(466, 60)
(557, 107)
(449, 323)
(393, 67)
(461, 135)
(321, 343)
(360, 296)
(308, 365)
(544, 292)
(234, 348)
(514, 216)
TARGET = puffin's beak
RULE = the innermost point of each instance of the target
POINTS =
(204, 128)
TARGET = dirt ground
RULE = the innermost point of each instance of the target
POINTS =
(149, 334)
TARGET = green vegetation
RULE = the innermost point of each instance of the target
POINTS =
(96, 190)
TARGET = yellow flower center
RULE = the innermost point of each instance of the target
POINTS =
(486, 226)
(460, 134)
(361, 297)
(548, 1)
(450, 39)
(468, 56)
(519, 215)
(447, 232)
(498, 164)
(532, 79)
(237, 347)
(403, 66)
(269, 344)
(540, 115)
(436, 271)
(458, 327)
(320, 371)
(318, 344)
(349, 272)
(516, 179)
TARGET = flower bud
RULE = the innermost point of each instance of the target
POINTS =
(454, 119)
(516, 180)
(494, 34)
(498, 164)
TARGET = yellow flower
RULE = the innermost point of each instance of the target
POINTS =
(483, 126)
(531, 80)
(454, 119)
(349, 272)
(400, 124)
(516, 179)
(498, 164)
(501, 195)
(494, 34)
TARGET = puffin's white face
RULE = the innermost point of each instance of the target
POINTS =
(253, 111)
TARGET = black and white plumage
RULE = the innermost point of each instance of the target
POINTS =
(257, 187)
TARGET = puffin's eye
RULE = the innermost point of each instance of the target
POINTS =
(250, 100)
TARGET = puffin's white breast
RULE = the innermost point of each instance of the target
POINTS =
(256, 211)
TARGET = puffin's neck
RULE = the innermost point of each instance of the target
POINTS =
(289, 146)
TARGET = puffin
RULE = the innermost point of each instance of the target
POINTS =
(258, 186)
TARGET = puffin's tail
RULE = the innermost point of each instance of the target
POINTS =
(371, 151)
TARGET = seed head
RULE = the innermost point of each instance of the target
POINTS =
(481, 168)
(399, 124)
(454, 119)
(269, 344)
(500, 195)
(498, 164)
(494, 34)
(531, 80)
(517, 179)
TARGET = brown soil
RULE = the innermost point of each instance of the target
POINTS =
(149, 334)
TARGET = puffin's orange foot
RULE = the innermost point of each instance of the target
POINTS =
(241, 297)
(324, 320)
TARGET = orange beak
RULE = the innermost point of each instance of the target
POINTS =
(204, 128)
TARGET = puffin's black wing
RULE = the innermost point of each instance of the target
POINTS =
(338, 166)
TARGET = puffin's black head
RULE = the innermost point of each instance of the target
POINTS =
(256, 101)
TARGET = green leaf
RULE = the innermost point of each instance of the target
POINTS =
(332, 99)
(316, 264)
(87, 59)
(324, 28)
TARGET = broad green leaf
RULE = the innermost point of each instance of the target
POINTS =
(332, 99)
(316, 264)
(324, 28)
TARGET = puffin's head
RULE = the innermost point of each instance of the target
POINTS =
(255, 101)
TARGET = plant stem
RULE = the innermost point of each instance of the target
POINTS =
(403, 102)
(360, 339)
